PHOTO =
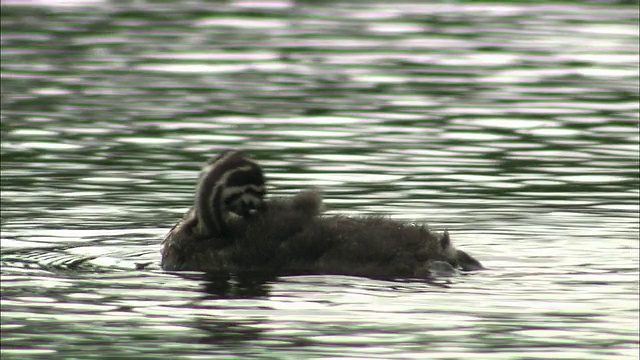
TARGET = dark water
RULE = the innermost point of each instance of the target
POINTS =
(515, 126)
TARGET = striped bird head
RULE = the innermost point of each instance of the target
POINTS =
(230, 183)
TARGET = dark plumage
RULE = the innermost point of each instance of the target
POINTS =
(289, 236)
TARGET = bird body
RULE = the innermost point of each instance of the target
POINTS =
(232, 228)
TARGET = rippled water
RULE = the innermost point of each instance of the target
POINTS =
(515, 126)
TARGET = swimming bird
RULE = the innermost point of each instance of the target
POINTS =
(233, 228)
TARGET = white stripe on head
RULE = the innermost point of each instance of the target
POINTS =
(206, 191)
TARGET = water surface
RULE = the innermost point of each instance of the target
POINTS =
(515, 126)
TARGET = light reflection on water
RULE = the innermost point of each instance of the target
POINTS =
(513, 126)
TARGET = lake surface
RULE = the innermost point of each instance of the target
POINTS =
(514, 126)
